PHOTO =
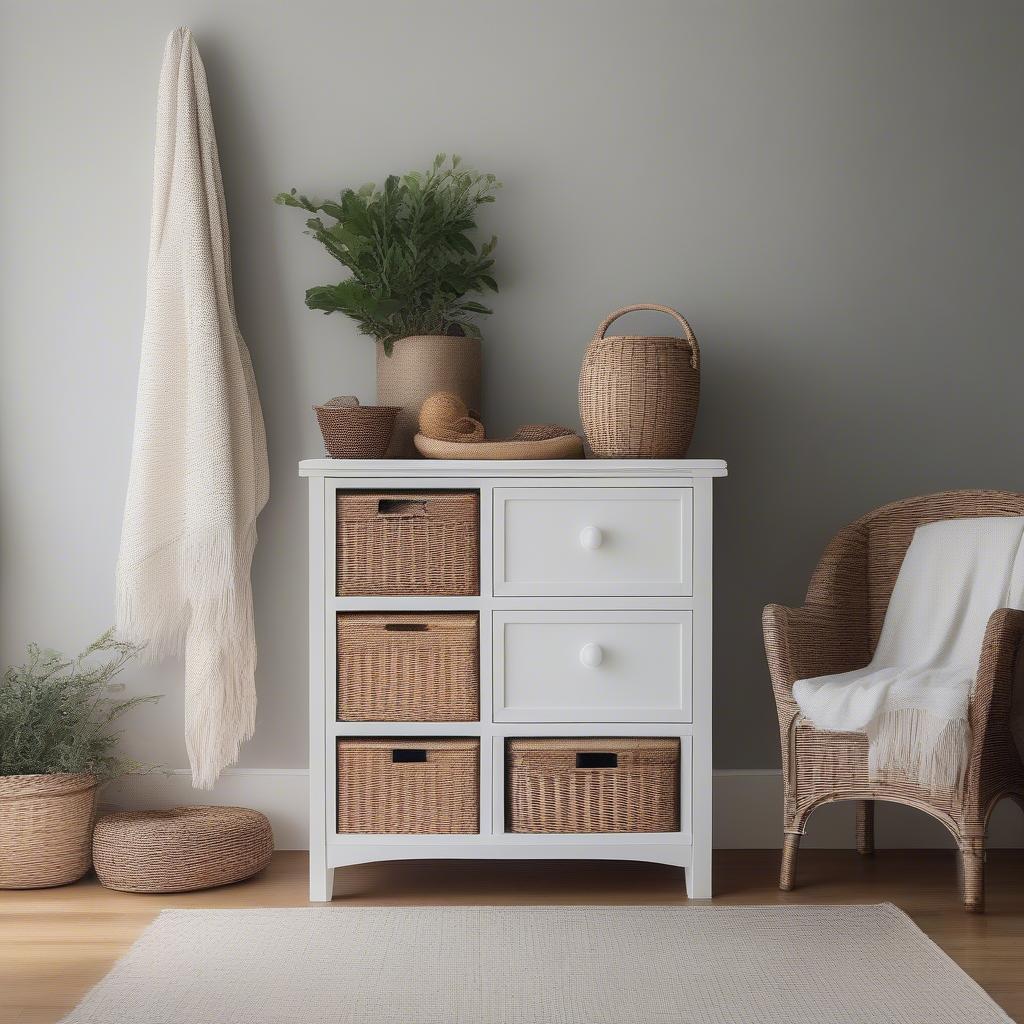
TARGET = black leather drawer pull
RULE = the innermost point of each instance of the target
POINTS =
(406, 627)
(401, 507)
(597, 760)
(404, 755)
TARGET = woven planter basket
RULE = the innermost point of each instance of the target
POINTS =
(356, 431)
(593, 785)
(45, 829)
(639, 394)
(409, 785)
(419, 367)
(181, 849)
(408, 542)
(407, 667)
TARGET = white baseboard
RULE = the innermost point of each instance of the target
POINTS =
(747, 809)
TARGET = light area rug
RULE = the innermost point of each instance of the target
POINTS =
(537, 965)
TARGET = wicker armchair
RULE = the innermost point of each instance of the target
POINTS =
(835, 631)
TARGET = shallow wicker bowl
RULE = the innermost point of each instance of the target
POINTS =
(356, 432)
(567, 446)
(180, 849)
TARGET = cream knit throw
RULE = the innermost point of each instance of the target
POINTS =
(912, 700)
(199, 462)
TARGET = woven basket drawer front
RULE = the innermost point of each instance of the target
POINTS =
(408, 542)
(409, 785)
(593, 785)
(408, 667)
(593, 541)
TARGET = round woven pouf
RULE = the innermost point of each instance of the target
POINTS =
(180, 849)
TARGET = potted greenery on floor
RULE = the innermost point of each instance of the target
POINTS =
(408, 246)
(56, 747)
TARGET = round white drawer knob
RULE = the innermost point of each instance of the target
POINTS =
(591, 538)
(591, 655)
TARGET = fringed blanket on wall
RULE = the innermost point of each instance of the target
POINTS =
(199, 474)
(912, 700)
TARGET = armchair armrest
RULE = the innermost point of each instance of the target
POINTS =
(814, 640)
(993, 687)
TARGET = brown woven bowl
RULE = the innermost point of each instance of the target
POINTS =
(357, 431)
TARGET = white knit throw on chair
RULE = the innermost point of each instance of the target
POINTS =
(199, 472)
(913, 699)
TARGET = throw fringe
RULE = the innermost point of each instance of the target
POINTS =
(920, 746)
(195, 595)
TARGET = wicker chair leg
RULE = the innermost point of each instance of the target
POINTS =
(866, 827)
(787, 874)
(971, 863)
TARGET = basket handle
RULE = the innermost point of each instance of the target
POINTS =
(401, 508)
(405, 755)
(688, 335)
(406, 627)
(597, 759)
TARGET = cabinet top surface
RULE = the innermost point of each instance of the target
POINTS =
(489, 469)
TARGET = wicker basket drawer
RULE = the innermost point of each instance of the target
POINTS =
(593, 785)
(408, 542)
(409, 785)
(407, 667)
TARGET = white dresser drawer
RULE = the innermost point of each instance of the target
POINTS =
(628, 666)
(604, 541)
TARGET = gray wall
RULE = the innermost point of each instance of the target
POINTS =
(830, 190)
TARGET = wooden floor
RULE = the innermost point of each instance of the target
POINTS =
(56, 943)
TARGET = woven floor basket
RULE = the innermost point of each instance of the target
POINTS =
(408, 542)
(593, 785)
(639, 394)
(45, 829)
(180, 849)
(409, 785)
(408, 667)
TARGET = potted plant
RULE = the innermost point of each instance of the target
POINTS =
(56, 748)
(413, 263)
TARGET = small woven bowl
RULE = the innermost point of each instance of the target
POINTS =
(358, 431)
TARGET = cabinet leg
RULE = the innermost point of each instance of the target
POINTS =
(321, 884)
(698, 876)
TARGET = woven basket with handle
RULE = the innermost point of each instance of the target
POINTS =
(639, 394)
(593, 785)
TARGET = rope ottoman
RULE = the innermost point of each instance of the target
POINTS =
(180, 849)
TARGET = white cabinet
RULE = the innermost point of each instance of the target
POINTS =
(594, 613)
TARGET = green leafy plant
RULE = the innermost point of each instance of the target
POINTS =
(409, 250)
(55, 715)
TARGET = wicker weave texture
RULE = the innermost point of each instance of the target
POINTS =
(548, 792)
(407, 667)
(639, 395)
(356, 432)
(418, 367)
(380, 793)
(45, 829)
(180, 849)
(408, 542)
(837, 629)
